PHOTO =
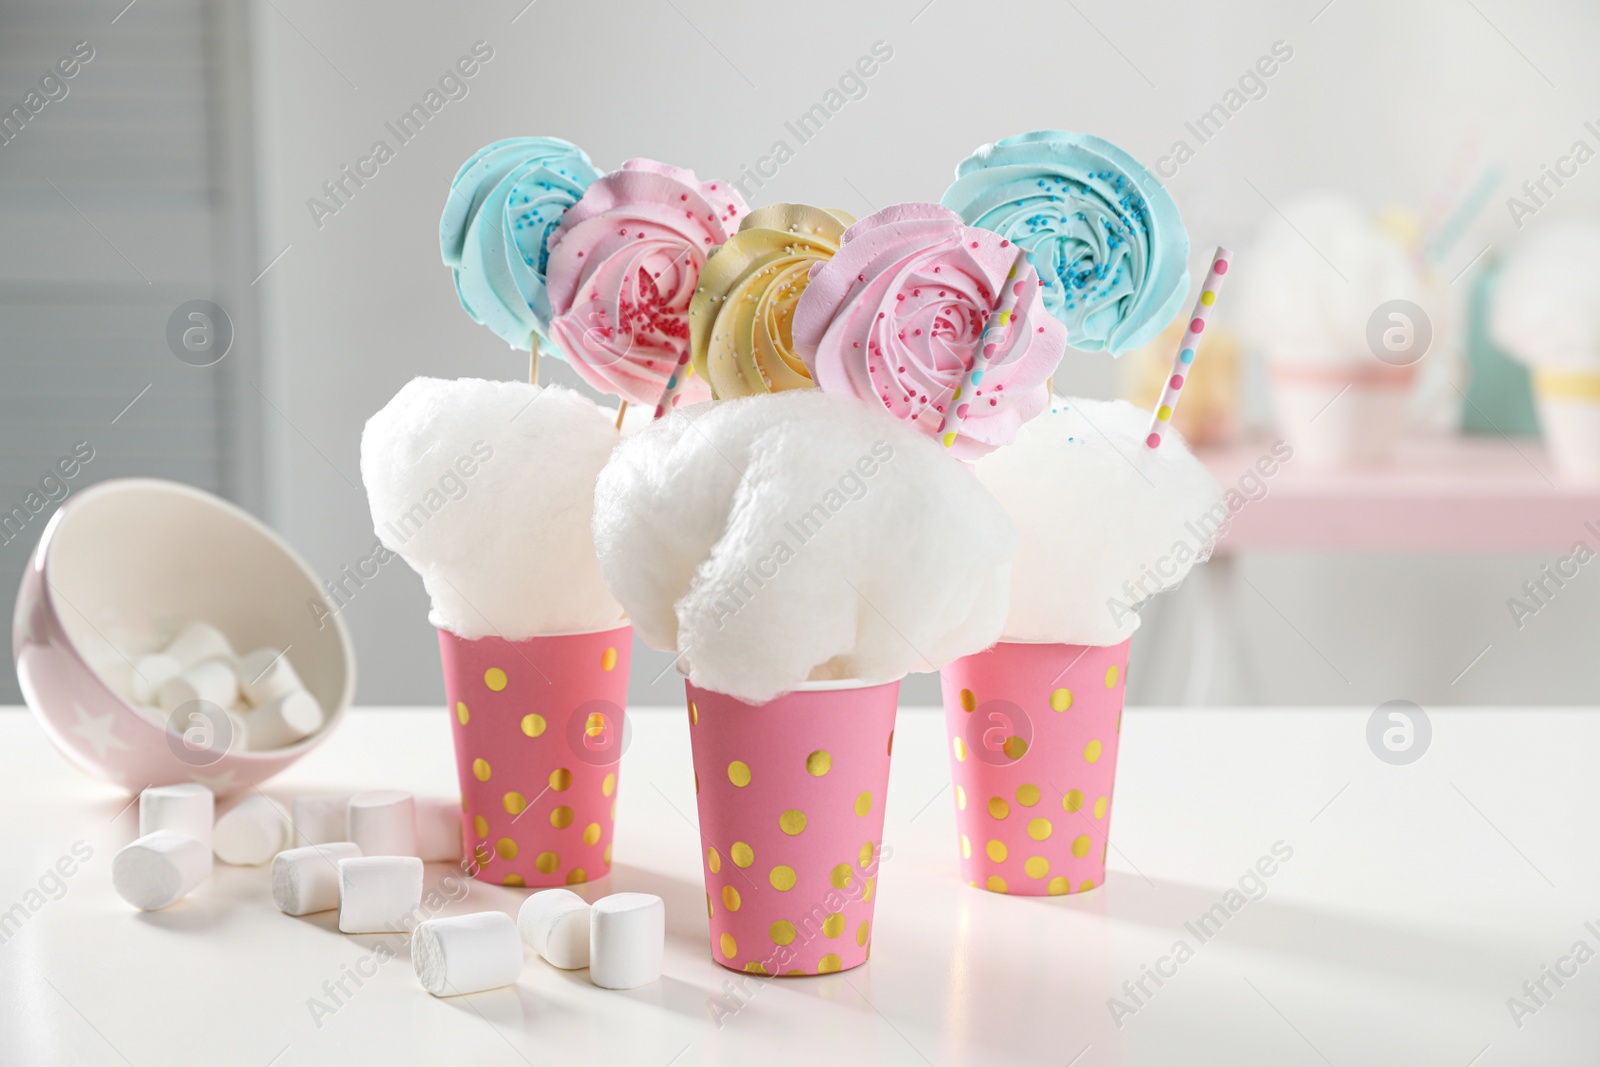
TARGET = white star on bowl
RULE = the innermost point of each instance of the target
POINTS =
(99, 731)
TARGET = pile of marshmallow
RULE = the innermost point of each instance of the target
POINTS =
(178, 836)
(363, 855)
(266, 703)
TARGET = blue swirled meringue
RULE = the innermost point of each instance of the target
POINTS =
(1105, 234)
(504, 204)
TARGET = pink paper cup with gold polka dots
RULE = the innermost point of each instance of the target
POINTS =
(538, 727)
(1033, 734)
(791, 797)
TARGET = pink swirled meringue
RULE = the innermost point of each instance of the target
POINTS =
(623, 267)
(894, 319)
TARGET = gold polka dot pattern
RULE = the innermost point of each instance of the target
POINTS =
(1033, 731)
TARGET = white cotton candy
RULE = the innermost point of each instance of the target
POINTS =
(1105, 521)
(1546, 305)
(1306, 290)
(486, 489)
(800, 536)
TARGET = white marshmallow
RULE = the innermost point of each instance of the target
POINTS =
(198, 642)
(379, 894)
(383, 822)
(439, 829)
(212, 681)
(186, 808)
(466, 953)
(117, 674)
(283, 720)
(150, 673)
(266, 674)
(305, 880)
(627, 938)
(321, 819)
(204, 726)
(159, 868)
(555, 924)
(251, 832)
(239, 735)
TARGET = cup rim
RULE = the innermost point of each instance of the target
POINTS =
(1069, 644)
(1361, 375)
(826, 685)
(623, 625)
(1566, 386)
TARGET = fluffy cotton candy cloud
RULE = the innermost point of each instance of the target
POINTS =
(1293, 303)
(1546, 308)
(487, 490)
(772, 540)
(1105, 522)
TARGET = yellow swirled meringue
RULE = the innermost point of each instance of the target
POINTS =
(740, 319)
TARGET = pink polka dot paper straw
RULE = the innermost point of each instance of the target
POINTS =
(1188, 346)
(988, 347)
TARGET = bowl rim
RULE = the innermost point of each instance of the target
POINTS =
(41, 562)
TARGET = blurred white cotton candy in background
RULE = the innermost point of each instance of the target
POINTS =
(1313, 284)
(1546, 309)
(486, 489)
(1105, 522)
(800, 536)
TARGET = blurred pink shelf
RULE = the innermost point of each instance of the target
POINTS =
(1440, 494)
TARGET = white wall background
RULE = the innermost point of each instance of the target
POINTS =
(126, 196)
(1381, 99)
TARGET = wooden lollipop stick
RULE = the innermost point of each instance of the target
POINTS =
(623, 410)
(533, 359)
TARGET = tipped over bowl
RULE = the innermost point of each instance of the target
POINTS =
(122, 566)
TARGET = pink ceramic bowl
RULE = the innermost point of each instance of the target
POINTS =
(126, 561)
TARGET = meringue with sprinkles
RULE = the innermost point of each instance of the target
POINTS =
(896, 318)
(504, 204)
(1105, 235)
(741, 319)
(624, 264)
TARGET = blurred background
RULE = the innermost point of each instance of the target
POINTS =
(188, 155)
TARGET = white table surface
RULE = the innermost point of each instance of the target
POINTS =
(1418, 900)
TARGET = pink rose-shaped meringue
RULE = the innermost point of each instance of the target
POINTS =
(895, 319)
(623, 267)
